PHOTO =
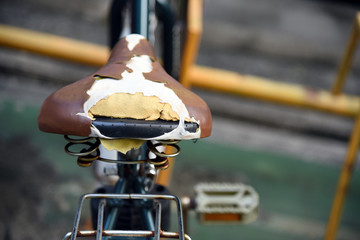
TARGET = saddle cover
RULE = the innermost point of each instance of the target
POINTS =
(131, 85)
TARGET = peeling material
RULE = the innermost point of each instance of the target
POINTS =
(133, 40)
(136, 106)
(134, 96)
(121, 145)
(132, 69)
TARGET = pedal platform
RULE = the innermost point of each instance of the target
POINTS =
(226, 203)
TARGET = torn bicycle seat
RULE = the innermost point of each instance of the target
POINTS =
(131, 96)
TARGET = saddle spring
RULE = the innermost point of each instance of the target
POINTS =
(90, 152)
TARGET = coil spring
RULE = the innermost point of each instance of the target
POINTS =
(161, 160)
(89, 154)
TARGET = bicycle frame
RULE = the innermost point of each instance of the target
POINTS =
(140, 17)
(124, 234)
(131, 182)
(140, 24)
(131, 185)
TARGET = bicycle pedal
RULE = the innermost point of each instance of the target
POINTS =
(226, 203)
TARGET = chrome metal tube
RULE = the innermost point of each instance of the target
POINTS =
(100, 220)
(157, 221)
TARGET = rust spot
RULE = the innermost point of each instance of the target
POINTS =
(152, 59)
(91, 233)
(105, 234)
(311, 93)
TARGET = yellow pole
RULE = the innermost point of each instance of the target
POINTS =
(348, 57)
(353, 147)
(192, 42)
(263, 89)
(54, 46)
(164, 177)
(343, 183)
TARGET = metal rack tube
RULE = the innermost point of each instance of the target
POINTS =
(123, 233)
(181, 235)
(100, 219)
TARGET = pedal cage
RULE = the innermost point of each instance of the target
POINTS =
(99, 233)
(226, 203)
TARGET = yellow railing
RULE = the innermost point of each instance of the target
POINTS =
(53, 46)
(353, 147)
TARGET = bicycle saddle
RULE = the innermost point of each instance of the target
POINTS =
(131, 96)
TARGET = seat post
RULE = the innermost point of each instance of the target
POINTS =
(140, 17)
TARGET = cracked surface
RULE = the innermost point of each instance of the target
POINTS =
(135, 106)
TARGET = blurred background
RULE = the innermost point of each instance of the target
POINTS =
(291, 156)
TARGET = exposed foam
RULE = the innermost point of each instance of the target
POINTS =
(133, 40)
(135, 82)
